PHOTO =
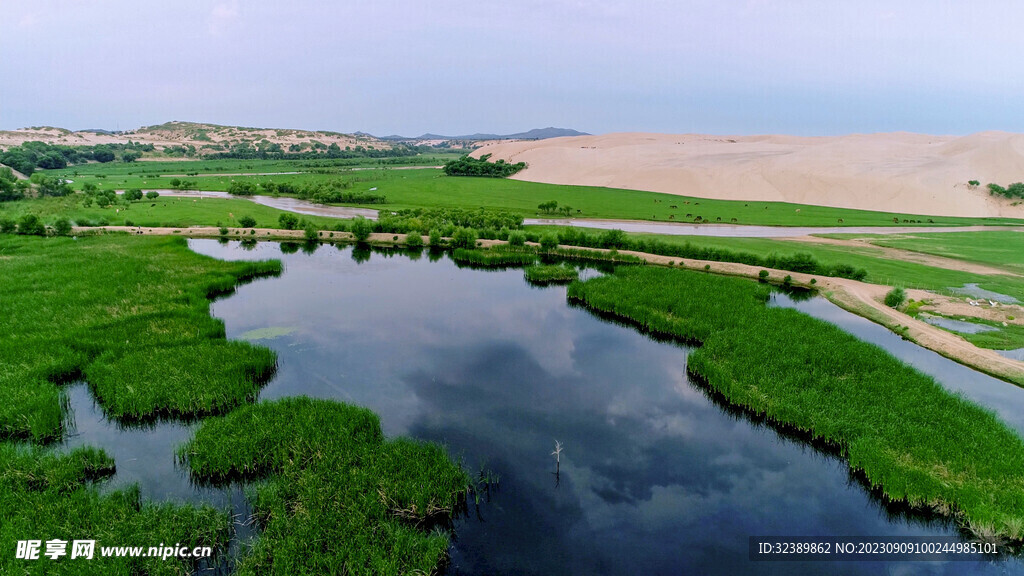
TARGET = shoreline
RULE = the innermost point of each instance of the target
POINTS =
(861, 298)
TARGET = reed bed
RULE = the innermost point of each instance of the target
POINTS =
(335, 496)
(550, 274)
(898, 429)
(132, 316)
(494, 257)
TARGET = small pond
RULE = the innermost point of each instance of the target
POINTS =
(655, 477)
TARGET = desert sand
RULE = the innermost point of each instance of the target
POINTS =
(894, 172)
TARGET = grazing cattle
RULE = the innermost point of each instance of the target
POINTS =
(673, 206)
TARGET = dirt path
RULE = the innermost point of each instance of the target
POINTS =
(905, 255)
(860, 298)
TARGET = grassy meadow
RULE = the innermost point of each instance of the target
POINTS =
(430, 188)
(898, 429)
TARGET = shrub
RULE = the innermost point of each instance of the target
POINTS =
(133, 194)
(242, 189)
(435, 237)
(288, 221)
(413, 239)
(361, 228)
(7, 226)
(895, 297)
(62, 227)
(762, 275)
(223, 231)
(311, 231)
(152, 195)
(464, 238)
(31, 225)
(517, 238)
(548, 242)
(246, 221)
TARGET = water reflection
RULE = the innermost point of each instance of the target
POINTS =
(655, 476)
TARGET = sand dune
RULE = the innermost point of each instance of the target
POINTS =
(896, 172)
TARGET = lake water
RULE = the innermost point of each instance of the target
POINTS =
(655, 477)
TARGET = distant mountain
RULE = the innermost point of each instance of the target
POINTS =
(535, 134)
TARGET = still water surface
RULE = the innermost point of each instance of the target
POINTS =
(655, 477)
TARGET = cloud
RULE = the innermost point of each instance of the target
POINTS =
(223, 16)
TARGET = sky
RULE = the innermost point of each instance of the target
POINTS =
(407, 67)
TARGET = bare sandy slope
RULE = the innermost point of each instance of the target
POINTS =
(189, 133)
(897, 172)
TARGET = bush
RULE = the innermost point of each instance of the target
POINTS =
(7, 226)
(548, 242)
(895, 297)
(762, 275)
(435, 237)
(288, 221)
(246, 221)
(467, 166)
(133, 194)
(242, 189)
(517, 238)
(413, 239)
(223, 231)
(311, 232)
(31, 225)
(464, 238)
(361, 228)
(152, 195)
(62, 227)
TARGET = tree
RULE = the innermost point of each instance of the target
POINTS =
(152, 195)
(288, 221)
(50, 186)
(549, 206)
(361, 228)
(130, 156)
(103, 154)
(246, 221)
(133, 194)
(242, 189)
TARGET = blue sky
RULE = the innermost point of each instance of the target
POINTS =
(390, 66)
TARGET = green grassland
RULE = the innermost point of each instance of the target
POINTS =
(164, 211)
(130, 315)
(1001, 249)
(881, 269)
(899, 430)
(205, 168)
(430, 188)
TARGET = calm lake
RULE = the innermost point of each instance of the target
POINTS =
(655, 477)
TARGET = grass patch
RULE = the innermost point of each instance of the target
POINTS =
(1001, 249)
(123, 310)
(899, 430)
(165, 211)
(337, 498)
(494, 257)
(550, 274)
(132, 315)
